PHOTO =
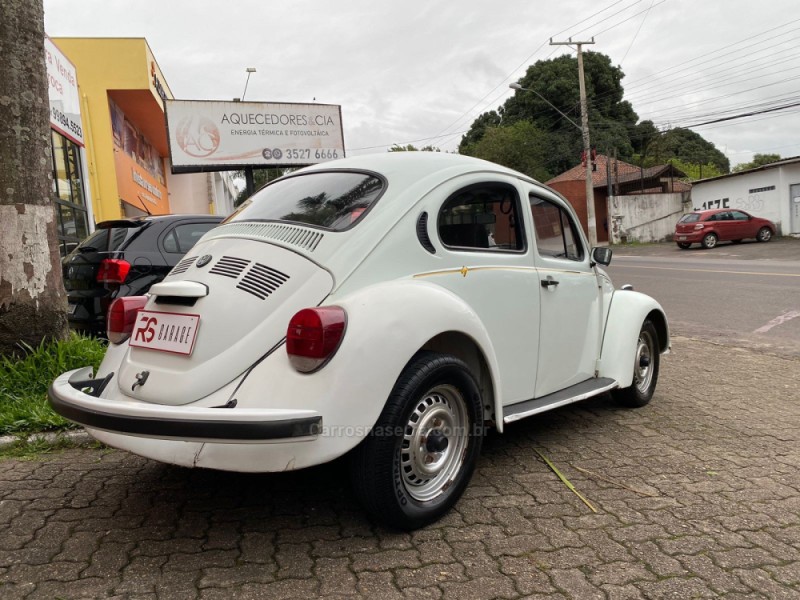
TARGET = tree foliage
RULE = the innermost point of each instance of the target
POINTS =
(552, 88)
(759, 160)
(412, 148)
(521, 146)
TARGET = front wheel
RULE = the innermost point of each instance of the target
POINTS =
(645, 369)
(419, 457)
(709, 240)
(764, 234)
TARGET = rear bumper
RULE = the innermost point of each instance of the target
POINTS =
(695, 237)
(69, 398)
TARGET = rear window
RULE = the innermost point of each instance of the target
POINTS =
(108, 239)
(690, 218)
(333, 200)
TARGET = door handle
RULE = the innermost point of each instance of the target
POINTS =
(549, 282)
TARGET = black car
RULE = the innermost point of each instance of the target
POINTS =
(124, 258)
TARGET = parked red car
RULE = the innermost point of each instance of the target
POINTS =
(707, 227)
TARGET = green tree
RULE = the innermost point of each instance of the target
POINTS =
(694, 171)
(690, 147)
(412, 148)
(32, 299)
(521, 146)
(555, 90)
(759, 160)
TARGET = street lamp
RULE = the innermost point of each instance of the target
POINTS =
(591, 225)
(249, 71)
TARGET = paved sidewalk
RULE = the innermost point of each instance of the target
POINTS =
(700, 497)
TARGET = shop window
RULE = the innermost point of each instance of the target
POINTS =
(68, 193)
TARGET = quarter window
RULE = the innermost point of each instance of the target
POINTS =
(556, 234)
(484, 217)
(183, 237)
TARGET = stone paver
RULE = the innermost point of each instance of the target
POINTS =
(698, 496)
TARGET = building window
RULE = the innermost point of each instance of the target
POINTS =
(769, 188)
(68, 194)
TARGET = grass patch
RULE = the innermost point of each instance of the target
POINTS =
(24, 381)
(33, 449)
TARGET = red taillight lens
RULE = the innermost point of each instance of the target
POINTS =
(122, 316)
(113, 270)
(314, 335)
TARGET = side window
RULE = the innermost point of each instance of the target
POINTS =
(183, 237)
(483, 216)
(556, 234)
(739, 216)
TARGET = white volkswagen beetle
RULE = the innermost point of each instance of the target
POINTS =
(390, 307)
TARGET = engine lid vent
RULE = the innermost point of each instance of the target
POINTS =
(261, 281)
(182, 266)
(230, 266)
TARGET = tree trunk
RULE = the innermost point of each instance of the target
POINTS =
(32, 297)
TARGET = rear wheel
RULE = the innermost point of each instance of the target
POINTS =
(764, 234)
(683, 245)
(419, 457)
(645, 369)
(709, 240)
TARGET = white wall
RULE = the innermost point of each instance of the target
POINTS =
(646, 217)
(734, 192)
(188, 193)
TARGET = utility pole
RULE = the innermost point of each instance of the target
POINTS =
(587, 148)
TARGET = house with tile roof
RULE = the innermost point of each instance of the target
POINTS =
(659, 188)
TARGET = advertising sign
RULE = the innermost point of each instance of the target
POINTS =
(65, 102)
(210, 135)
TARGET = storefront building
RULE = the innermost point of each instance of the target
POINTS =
(122, 92)
(74, 219)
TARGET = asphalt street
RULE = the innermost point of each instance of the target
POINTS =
(746, 294)
(697, 495)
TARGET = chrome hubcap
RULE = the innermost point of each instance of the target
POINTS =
(711, 241)
(642, 368)
(434, 443)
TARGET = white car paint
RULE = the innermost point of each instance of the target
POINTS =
(521, 340)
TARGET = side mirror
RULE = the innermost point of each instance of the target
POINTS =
(601, 255)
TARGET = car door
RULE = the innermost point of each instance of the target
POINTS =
(570, 299)
(742, 225)
(725, 225)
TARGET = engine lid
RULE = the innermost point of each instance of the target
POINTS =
(254, 289)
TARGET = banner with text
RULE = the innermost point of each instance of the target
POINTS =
(65, 102)
(210, 135)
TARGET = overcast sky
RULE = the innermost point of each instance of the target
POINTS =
(420, 71)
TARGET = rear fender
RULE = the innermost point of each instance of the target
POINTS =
(386, 325)
(628, 311)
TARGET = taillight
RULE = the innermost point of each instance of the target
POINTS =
(314, 335)
(113, 270)
(122, 317)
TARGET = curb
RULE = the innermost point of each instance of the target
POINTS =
(79, 438)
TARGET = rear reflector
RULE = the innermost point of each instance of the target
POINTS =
(113, 270)
(313, 336)
(122, 316)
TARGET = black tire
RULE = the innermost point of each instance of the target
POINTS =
(645, 369)
(764, 234)
(709, 240)
(683, 245)
(435, 395)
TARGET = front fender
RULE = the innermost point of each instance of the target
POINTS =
(387, 324)
(628, 311)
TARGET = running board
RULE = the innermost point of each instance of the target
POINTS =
(575, 393)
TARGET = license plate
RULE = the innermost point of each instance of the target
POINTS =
(681, 237)
(165, 332)
(71, 308)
